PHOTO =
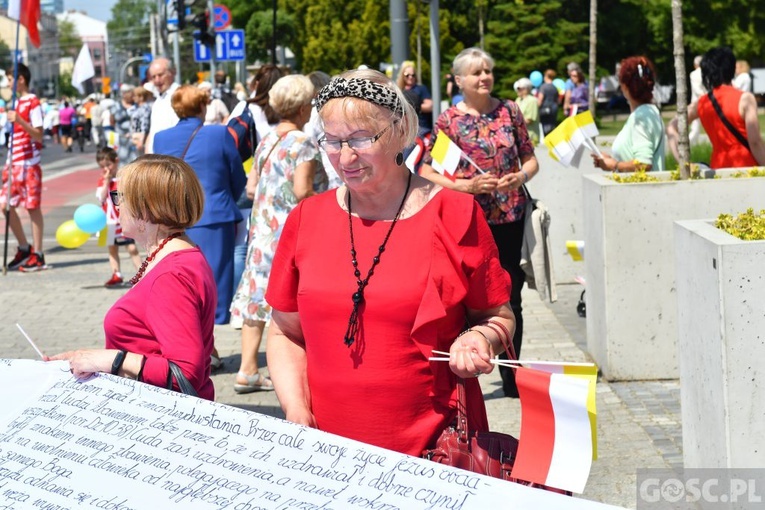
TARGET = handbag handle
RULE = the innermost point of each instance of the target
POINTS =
(462, 420)
(183, 384)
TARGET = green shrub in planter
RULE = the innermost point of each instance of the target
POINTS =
(747, 226)
(751, 172)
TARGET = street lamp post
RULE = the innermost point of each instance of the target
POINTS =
(124, 67)
(273, 36)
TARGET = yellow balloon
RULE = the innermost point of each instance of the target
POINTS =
(70, 236)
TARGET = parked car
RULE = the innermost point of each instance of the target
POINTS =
(608, 93)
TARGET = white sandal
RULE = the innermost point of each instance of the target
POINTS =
(255, 382)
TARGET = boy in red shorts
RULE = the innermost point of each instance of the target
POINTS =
(24, 164)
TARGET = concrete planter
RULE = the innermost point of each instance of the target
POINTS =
(560, 189)
(721, 327)
(631, 302)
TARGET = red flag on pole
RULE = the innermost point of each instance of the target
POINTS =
(28, 14)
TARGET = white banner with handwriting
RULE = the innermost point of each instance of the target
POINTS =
(113, 444)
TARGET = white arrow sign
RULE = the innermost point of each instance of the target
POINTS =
(220, 45)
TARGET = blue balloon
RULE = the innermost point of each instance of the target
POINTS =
(90, 218)
(536, 78)
(560, 85)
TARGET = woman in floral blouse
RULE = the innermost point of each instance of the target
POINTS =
(492, 133)
(286, 169)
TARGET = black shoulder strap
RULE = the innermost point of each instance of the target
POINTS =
(188, 144)
(725, 121)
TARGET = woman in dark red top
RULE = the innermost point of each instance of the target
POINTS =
(168, 315)
(370, 278)
(718, 66)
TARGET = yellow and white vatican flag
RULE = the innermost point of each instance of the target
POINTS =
(446, 155)
(565, 141)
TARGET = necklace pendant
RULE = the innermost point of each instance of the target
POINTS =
(358, 297)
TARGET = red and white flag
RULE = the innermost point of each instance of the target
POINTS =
(28, 14)
(555, 446)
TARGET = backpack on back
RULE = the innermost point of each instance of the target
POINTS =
(242, 130)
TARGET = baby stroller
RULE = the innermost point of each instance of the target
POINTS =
(576, 250)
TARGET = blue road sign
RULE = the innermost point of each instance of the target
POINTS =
(229, 46)
(171, 13)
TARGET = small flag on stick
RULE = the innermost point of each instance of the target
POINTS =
(83, 69)
(586, 371)
(28, 14)
(446, 155)
(565, 141)
(555, 447)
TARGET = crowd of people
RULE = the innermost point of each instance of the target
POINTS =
(239, 229)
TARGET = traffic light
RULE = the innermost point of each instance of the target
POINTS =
(180, 10)
(204, 33)
(183, 12)
(106, 85)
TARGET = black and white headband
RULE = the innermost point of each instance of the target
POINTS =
(362, 89)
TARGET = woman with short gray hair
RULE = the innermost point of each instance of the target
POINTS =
(493, 134)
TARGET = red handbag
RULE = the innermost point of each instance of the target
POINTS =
(485, 453)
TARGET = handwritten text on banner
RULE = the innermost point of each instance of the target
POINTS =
(114, 444)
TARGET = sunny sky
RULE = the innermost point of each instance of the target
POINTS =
(101, 9)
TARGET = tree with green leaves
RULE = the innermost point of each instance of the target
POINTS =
(69, 40)
(65, 87)
(256, 18)
(684, 145)
(5, 56)
(129, 26)
(524, 36)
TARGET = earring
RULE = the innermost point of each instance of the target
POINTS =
(400, 158)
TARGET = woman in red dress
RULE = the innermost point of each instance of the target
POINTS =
(729, 150)
(370, 278)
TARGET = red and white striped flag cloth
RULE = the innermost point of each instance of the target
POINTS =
(28, 14)
(555, 446)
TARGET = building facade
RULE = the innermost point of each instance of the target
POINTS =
(42, 61)
(93, 33)
(49, 6)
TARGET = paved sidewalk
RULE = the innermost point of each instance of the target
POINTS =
(63, 309)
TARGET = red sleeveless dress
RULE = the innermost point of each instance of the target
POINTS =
(727, 150)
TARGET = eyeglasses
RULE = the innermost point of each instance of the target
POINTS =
(355, 144)
(409, 75)
(116, 197)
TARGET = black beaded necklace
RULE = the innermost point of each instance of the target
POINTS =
(358, 296)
